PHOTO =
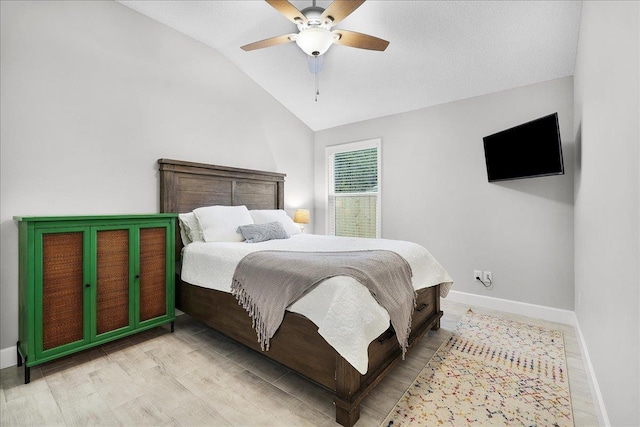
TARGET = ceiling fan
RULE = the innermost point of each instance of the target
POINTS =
(314, 25)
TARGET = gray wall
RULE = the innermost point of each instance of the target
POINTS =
(94, 93)
(435, 192)
(607, 189)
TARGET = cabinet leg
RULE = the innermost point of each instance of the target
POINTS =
(27, 372)
(173, 324)
(18, 353)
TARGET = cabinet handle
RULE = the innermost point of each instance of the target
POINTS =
(137, 276)
(422, 307)
(387, 335)
(88, 285)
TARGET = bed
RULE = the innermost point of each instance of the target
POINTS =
(297, 344)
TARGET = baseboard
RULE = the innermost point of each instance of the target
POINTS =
(601, 410)
(516, 307)
(8, 357)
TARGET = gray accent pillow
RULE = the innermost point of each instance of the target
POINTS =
(254, 233)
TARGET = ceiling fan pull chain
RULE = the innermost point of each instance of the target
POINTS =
(317, 79)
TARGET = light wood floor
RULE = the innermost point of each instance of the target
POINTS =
(197, 377)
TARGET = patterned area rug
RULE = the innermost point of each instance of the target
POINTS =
(492, 371)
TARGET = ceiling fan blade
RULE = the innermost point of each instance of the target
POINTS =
(340, 9)
(359, 40)
(273, 41)
(288, 10)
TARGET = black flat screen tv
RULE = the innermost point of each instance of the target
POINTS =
(529, 150)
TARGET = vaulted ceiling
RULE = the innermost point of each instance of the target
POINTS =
(439, 51)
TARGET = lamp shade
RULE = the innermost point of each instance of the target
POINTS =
(301, 216)
(315, 41)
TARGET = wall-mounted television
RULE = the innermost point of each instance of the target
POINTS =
(525, 151)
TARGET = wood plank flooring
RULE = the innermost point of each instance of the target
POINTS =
(196, 377)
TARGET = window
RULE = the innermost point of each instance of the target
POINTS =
(354, 189)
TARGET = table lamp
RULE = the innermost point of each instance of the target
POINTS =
(301, 217)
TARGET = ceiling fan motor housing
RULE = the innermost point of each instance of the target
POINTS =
(314, 38)
(314, 18)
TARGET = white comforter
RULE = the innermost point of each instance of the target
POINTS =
(346, 314)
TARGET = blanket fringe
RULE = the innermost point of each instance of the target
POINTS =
(245, 300)
(405, 344)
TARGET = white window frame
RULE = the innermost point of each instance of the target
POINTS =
(352, 146)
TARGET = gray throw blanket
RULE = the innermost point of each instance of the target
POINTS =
(265, 283)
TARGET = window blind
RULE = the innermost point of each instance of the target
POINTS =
(354, 192)
(356, 171)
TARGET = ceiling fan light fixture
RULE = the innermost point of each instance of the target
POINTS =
(315, 41)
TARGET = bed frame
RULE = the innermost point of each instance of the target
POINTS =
(297, 345)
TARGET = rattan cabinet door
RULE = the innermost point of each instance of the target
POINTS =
(113, 277)
(153, 272)
(61, 288)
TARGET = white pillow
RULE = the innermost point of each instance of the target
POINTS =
(189, 228)
(220, 223)
(270, 215)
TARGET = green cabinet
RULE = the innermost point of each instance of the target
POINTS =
(91, 279)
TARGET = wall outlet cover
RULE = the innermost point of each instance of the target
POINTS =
(488, 276)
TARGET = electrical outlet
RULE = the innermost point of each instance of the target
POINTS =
(477, 274)
(488, 277)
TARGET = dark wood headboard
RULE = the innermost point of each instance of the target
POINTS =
(185, 186)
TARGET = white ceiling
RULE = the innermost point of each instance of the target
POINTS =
(439, 51)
